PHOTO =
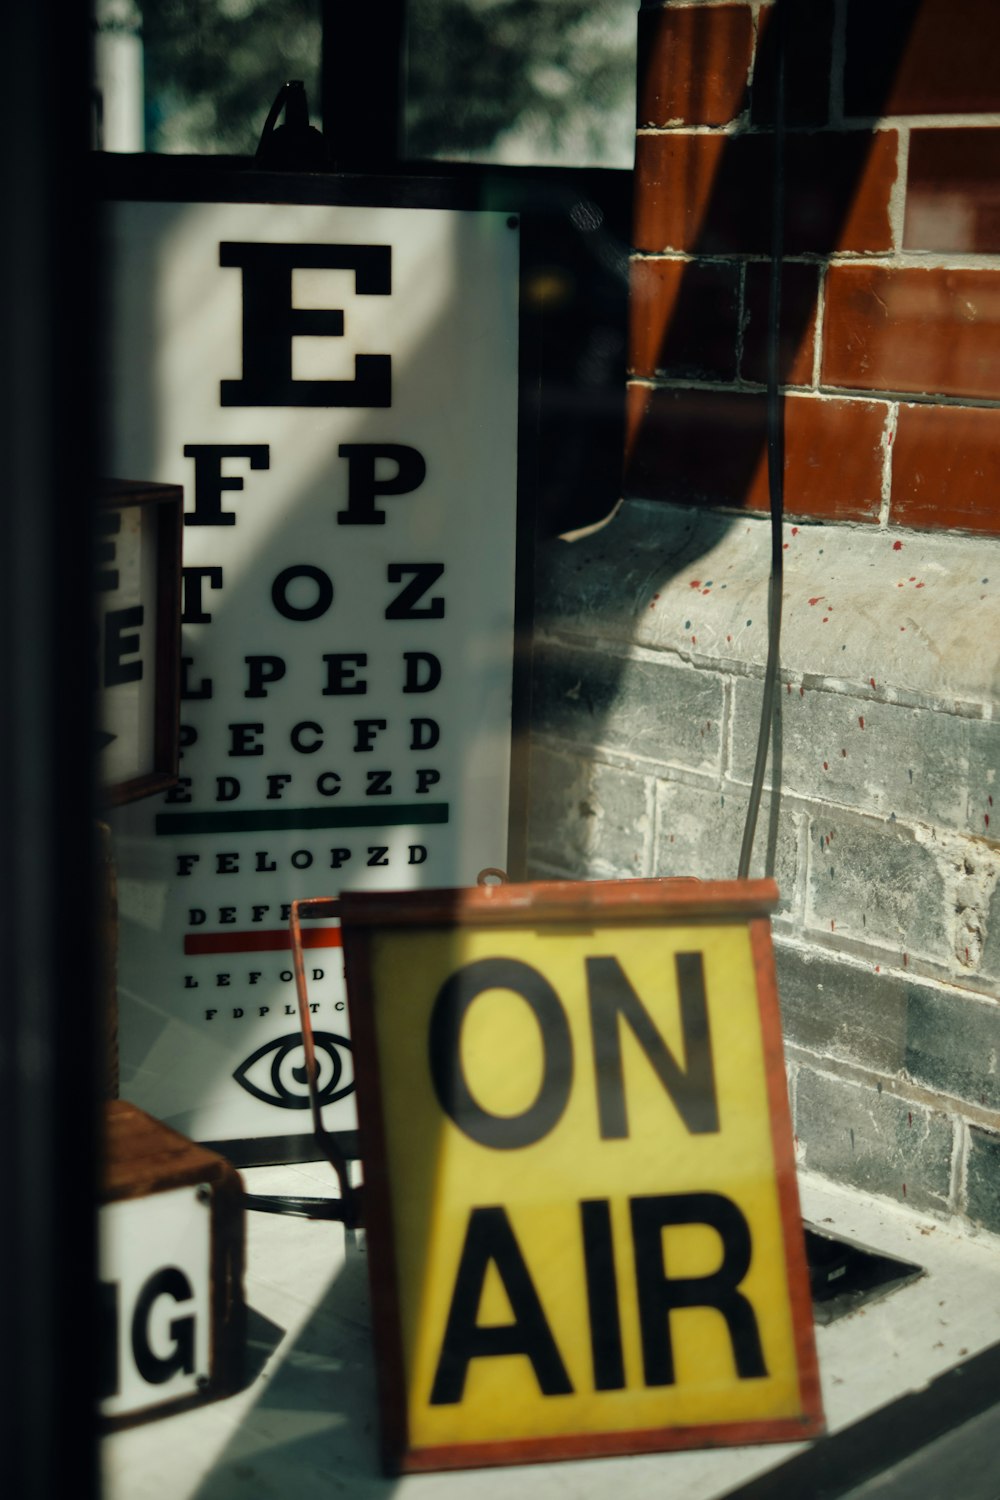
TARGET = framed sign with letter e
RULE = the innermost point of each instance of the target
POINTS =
(583, 1226)
(138, 605)
(330, 368)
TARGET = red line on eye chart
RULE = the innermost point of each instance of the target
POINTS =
(278, 940)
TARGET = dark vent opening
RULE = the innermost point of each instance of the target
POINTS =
(843, 1275)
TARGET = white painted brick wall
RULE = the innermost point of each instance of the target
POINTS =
(649, 667)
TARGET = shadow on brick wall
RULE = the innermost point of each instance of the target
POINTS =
(697, 447)
(710, 195)
(611, 722)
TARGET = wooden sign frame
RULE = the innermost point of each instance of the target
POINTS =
(166, 500)
(142, 1160)
(370, 919)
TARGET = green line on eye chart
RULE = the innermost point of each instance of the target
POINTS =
(301, 819)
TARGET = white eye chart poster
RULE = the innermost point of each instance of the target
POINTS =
(336, 389)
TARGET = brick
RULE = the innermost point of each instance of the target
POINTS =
(953, 190)
(991, 938)
(873, 1140)
(808, 50)
(684, 319)
(982, 1180)
(944, 1039)
(909, 329)
(977, 912)
(877, 885)
(983, 811)
(711, 194)
(953, 1043)
(665, 712)
(693, 64)
(841, 1010)
(796, 324)
(921, 57)
(946, 468)
(608, 584)
(873, 757)
(699, 831)
(700, 447)
(586, 820)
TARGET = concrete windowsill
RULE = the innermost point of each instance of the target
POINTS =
(307, 1424)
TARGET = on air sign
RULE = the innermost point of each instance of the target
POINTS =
(580, 1193)
(335, 387)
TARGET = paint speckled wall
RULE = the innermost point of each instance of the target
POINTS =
(652, 632)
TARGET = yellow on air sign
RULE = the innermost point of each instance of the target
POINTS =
(583, 1224)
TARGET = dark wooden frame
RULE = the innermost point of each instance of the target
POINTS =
(366, 915)
(125, 494)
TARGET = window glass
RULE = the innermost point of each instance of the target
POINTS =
(523, 82)
(207, 70)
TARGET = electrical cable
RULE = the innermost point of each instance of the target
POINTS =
(775, 444)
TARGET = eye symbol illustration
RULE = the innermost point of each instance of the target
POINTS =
(287, 1071)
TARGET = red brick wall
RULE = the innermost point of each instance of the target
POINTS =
(890, 305)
